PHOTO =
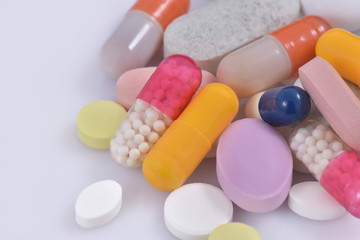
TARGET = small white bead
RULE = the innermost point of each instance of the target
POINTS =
(304, 131)
(318, 157)
(151, 114)
(144, 147)
(123, 150)
(323, 163)
(121, 159)
(312, 150)
(120, 139)
(139, 138)
(125, 125)
(310, 141)
(140, 106)
(299, 137)
(144, 130)
(294, 145)
(311, 167)
(327, 154)
(134, 154)
(336, 146)
(129, 134)
(329, 136)
(137, 124)
(166, 120)
(135, 116)
(318, 134)
(299, 155)
(307, 158)
(159, 126)
(321, 145)
(302, 148)
(130, 162)
(321, 127)
(131, 144)
(317, 171)
(153, 137)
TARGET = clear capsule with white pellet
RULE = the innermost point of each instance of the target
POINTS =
(315, 145)
(159, 103)
(279, 106)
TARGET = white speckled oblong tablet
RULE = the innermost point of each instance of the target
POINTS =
(98, 204)
(310, 200)
(194, 210)
(209, 33)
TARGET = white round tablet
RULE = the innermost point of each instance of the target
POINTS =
(98, 204)
(310, 200)
(194, 210)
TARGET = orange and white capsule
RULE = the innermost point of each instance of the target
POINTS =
(139, 35)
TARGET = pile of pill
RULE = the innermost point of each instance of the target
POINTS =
(177, 111)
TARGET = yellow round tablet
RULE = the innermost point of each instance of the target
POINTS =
(234, 231)
(98, 121)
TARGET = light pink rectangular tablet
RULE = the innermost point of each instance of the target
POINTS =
(334, 99)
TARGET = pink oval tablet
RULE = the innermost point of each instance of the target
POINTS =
(130, 83)
(334, 99)
(254, 165)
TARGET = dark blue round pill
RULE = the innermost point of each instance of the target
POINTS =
(284, 106)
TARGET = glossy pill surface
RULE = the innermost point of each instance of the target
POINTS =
(279, 106)
(254, 165)
(310, 200)
(194, 210)
(187, 141)
(98, 121)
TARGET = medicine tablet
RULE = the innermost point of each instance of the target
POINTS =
(194, 210)
(254, 175)
(98, 121)
(98, 204)
(310, 200)
(234, 231)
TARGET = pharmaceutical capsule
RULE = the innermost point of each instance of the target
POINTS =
(159, 103)
(341, 178)
(315, 145)
(279, 106)
(186, 142)
(139, 35)
(334, 98)
(342, 50)
(272, 58)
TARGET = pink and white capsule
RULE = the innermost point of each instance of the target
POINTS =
(159, 103)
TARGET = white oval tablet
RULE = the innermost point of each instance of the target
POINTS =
(98, 204)
(194, 210)
(310, 200)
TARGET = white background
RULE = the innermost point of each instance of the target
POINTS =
(49, 70)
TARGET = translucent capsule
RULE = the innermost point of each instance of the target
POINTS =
(279, 106)
(272, 58)
(311, 144)
(154, 109)
(140, 34)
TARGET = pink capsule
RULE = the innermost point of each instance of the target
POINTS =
(343, 182)
(161, 101)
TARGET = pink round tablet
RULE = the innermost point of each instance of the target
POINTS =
(130, 83)
(254, 165)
